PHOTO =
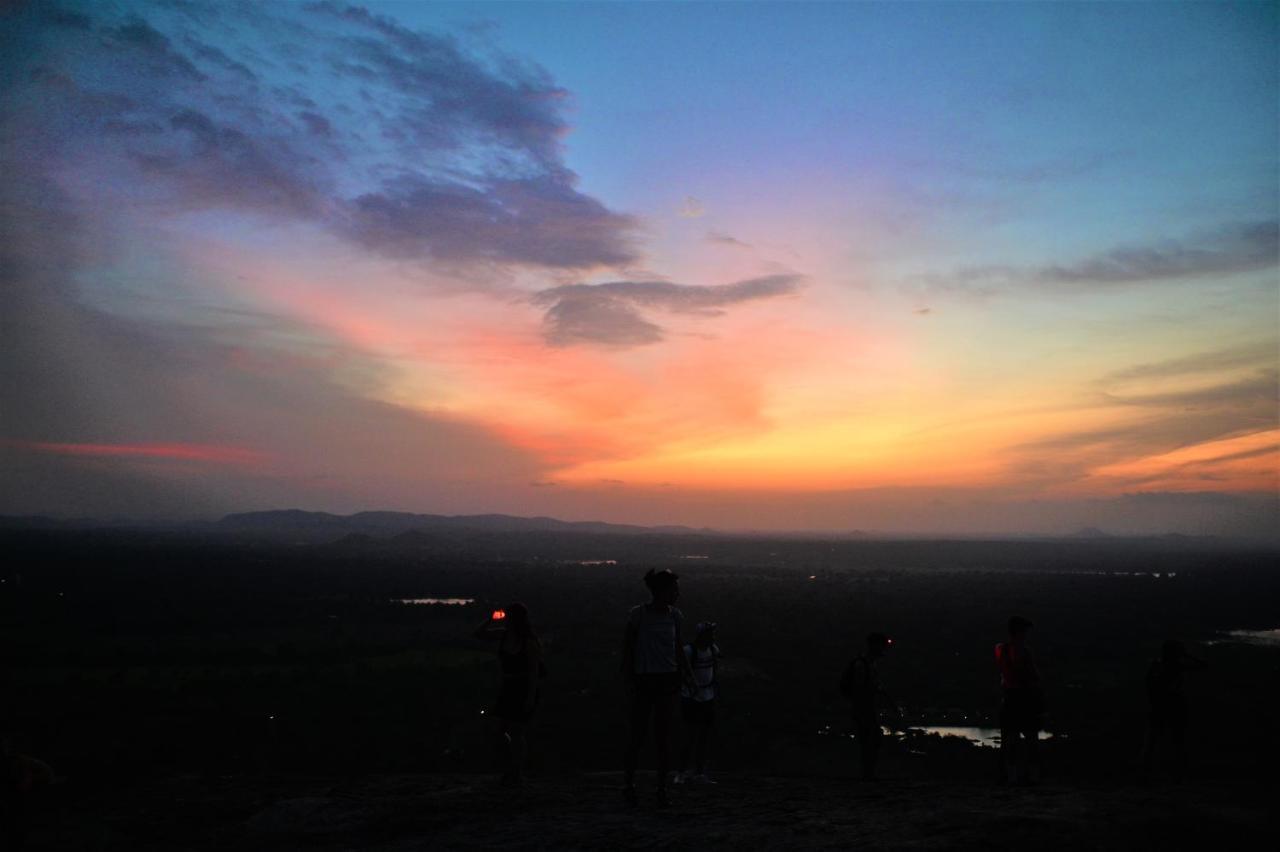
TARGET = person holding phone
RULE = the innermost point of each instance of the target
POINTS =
(520, 656)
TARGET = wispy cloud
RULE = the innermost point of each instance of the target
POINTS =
(610, 313)
(1227, 250)
(717, 238)
(1209, 400)
(1260, 389)
(1260, 354)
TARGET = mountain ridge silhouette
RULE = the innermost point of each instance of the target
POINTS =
(387, 523)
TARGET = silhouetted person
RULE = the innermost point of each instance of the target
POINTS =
(1167, 719)
(653, 668)
(861, 684)
(1022, 710)
(698, 703)
(520, 656)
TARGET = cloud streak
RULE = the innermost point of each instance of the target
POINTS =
(611, 314)
(1228, 250)
(1151, 430)
(1250, 355)
(721, 239)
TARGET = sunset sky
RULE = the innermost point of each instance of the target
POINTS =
(955, 268)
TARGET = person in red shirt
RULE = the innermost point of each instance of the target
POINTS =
(1022, 708)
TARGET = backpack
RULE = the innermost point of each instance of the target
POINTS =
(690, 650)
(848, 680)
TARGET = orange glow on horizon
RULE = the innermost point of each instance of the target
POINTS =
(787, 395)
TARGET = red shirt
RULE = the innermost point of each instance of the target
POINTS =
(1017, 668)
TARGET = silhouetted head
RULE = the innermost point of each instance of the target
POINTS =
(878, 643)
(705, 634)
(1173, 650)
(664, 585)
(517, 620)
(1019, 627)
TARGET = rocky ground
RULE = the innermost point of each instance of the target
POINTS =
(587, 811)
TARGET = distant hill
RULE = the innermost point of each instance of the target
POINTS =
(398, 524)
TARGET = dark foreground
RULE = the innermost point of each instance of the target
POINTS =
(233, 693)
(401, 812)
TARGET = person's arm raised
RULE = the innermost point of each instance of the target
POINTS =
(490, 630)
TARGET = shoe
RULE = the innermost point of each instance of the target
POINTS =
(703, 778)
(681, 778)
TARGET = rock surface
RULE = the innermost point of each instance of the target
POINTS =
(587, 811)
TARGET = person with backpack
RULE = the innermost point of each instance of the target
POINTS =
(861, 684)
(520, 656)
(1022, 707)
(653, 668)
(698, 703)
(1167, 719)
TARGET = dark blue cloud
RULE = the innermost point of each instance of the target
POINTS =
(610, 314)
(540, 221)
(137, 35)
(398, 140)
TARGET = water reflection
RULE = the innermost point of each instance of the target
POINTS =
(434, 601)
(980, 737)
(1156, 574)
(1250, 637)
